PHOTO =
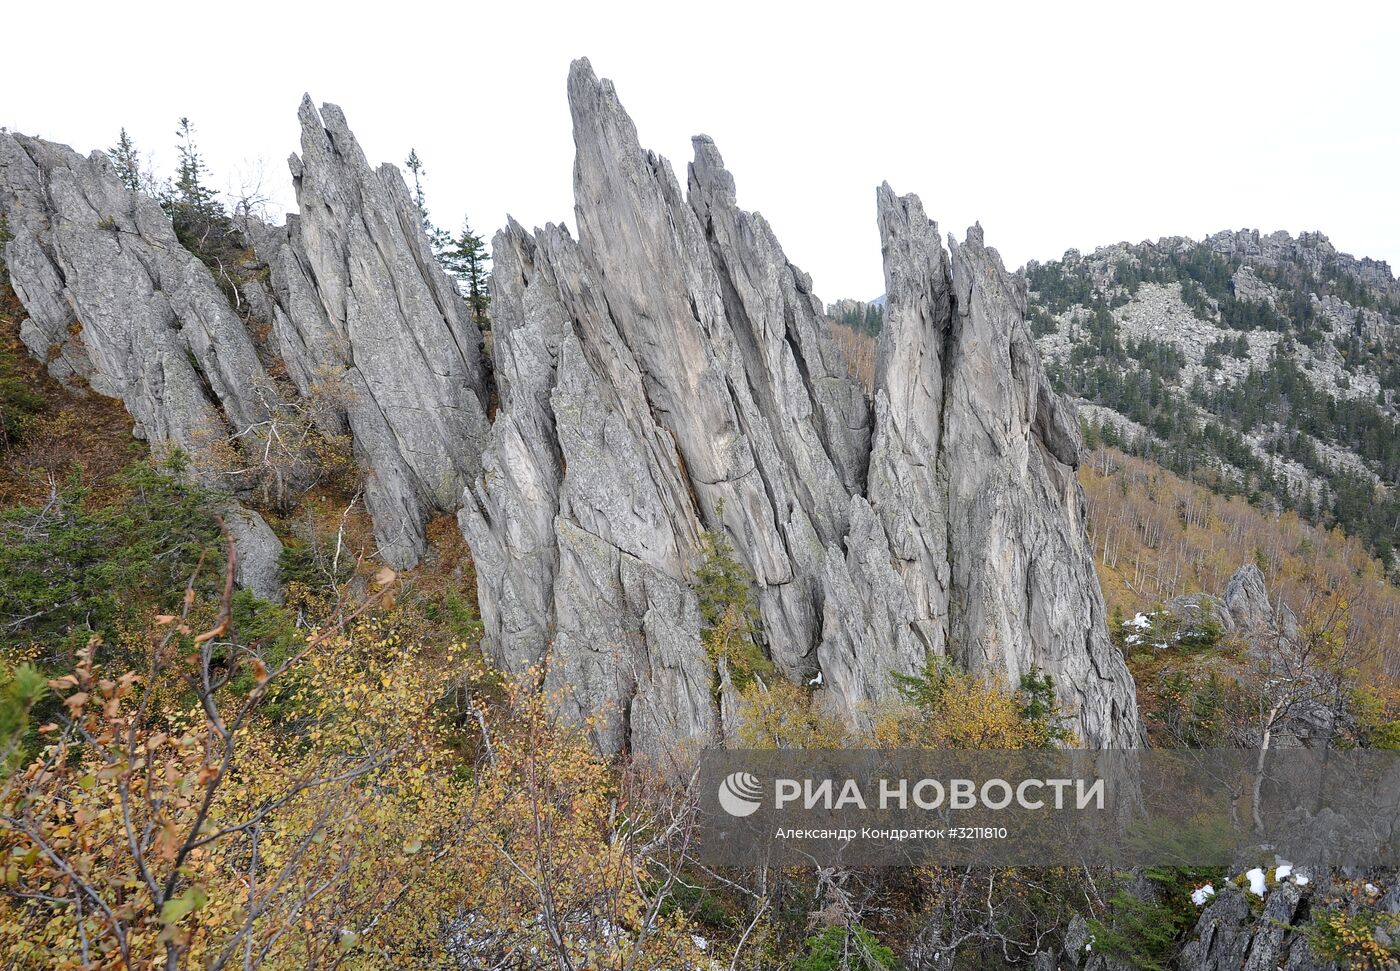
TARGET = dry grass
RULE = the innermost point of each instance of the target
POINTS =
(86, 435)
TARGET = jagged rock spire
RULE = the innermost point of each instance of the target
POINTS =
(669, 374)
(357, 301)
(361, 300)
(118, 306)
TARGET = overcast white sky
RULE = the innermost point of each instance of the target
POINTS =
(1055, 125)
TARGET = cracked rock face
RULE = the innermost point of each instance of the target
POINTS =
(361, 301)
(116, 305)
(357, 303)
(115, 302)
(669, 373)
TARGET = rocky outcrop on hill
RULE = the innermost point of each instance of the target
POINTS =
(666, 375)
(115, 302)
(1311, 250)
(362, 301)
(116, 305)
(356, 303)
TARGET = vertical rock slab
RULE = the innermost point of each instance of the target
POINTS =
(1024, 591)
(670, 373)
(364, 302)
(665, 375)
(908, 489)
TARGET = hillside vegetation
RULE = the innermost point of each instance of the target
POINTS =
(1262, 366)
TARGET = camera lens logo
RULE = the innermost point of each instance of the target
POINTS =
(740, 794)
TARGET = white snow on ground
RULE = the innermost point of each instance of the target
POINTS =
(1283, 871)
(1200, 895)
(1141, 622)
(1257, 884)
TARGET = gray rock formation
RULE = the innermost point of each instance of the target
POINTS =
(258, 549)
(668, 374)
(1025, 590)
(360, 313)
(362, 303)
(115, 302)
(1230, 936)
(118, 306)
(1255, 616)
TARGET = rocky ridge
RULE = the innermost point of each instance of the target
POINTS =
(667, 375)
(118, 306)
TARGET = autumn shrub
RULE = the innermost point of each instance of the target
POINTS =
(1363, 939)
(782, 715)
(172, 819)
(944, 707)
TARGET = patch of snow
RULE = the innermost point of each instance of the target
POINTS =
(1257, 884)
(1141, 622)
(1301, 880)
(1200, 895)
(699, 941)
(1283, 871)
(1372, 889)
(817, 680)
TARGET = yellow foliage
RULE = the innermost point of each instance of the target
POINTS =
(953, 710)
(960, 711)
(782, 716)
(371, 826)
(1156, 536)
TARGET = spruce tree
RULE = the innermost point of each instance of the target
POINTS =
(437, 238)
(201, 223)
(466, 259)
(127, 161)
(191, 193)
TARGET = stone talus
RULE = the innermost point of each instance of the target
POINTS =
(670, 373)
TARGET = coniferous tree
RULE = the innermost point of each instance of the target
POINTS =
(127, 161)
(437, 238)
(201, 223)
(466, 259)
(191, 192)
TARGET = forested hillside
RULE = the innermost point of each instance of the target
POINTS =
(1263, 366)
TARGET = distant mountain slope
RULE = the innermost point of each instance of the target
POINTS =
(1262, 365)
